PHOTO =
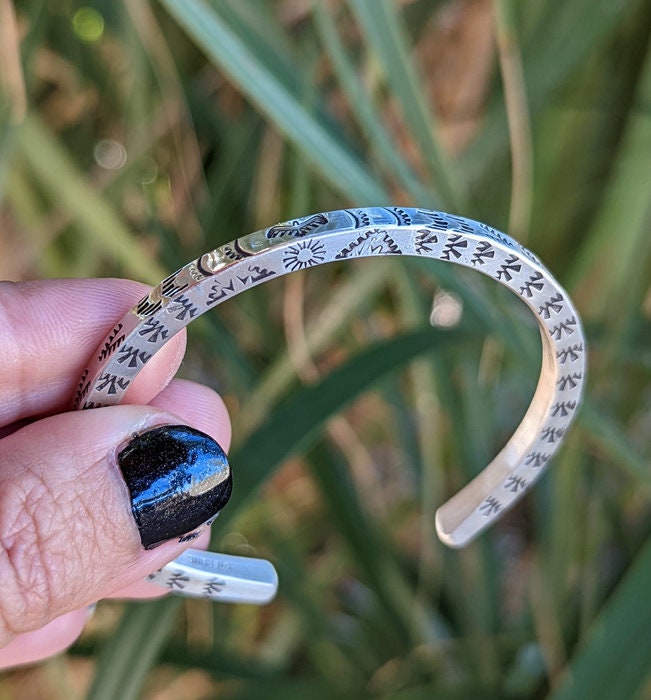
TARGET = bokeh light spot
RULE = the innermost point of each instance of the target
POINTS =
(110, 154)
(88, 24)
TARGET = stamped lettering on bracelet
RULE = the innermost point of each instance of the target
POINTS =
(204, 562)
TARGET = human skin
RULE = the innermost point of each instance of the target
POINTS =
(67, 533)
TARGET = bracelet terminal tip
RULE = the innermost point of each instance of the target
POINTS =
(220, 577)
(453, 531)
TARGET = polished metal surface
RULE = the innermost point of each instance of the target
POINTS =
(220, 577)
(379, 231)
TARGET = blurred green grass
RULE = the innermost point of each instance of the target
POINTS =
(136, 135)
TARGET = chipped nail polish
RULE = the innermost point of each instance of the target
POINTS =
(178, 479)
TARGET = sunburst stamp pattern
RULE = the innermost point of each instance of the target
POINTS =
(304, 254)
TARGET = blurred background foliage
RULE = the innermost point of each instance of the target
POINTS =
(136, 135)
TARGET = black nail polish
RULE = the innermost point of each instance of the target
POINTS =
(178, 478)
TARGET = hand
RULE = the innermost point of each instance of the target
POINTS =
(72, 519)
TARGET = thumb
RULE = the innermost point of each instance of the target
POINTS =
(84, 499)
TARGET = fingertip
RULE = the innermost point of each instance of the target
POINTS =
(54, 638)
(178, 478)
(144, 589)
(63, 476)
(50, 331)
(198, 406)
(156, 375)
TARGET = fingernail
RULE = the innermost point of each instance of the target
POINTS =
(178, 478)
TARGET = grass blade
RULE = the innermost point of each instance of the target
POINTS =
(385, 34)
(617, 251)
(66, 186)
(614, 660)
(517, 112)
(563, 39)
(336, 163)
(131, 652)
(365, 110)
(292, 424)
(352, 296)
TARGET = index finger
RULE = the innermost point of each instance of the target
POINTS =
(49, 329)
